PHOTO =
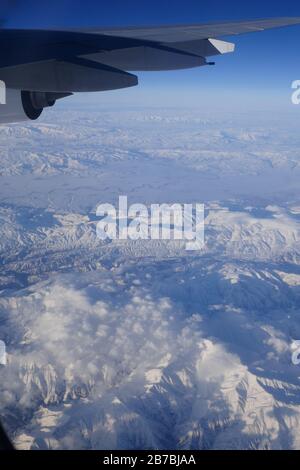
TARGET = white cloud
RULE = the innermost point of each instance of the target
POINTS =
(100, 360)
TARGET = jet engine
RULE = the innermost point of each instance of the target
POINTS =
(26, 105)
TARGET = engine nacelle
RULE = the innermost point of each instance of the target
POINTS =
(26, 105)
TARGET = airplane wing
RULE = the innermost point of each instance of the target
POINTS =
(191, 32)
(51, 64)
(100, 59)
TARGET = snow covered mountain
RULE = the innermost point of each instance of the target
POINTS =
(126, 345)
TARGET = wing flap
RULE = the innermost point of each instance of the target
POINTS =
(152, 58)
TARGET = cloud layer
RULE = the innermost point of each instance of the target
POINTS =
(106, 360)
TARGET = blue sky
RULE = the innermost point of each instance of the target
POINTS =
(263, 66)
